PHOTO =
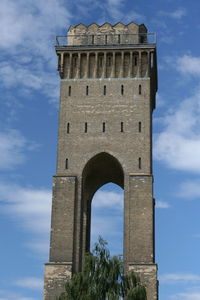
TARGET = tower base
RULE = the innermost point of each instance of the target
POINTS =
(55, 277)
(148, 276)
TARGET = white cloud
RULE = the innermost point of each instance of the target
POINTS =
(179, 278)
(114, 8)
(30, 283)
(105, 224)
(134, 16)
(162, 204)
(189, 189)
(31, 24)
(31, 206)
(188, 65)
(35, 79)
(177, 14)
(7, 295)
(40, 246)
(28, 30)
(31, 209)
(160, 101)
(12, 148)
(103, 199)
(107, 218)
(186, 296)
(197, 235)
(178, 144)
(110, 228)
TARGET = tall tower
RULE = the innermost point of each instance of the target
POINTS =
(108, 86)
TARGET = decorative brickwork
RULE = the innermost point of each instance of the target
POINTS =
(108, 89)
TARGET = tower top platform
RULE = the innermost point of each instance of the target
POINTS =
(106, 34)
(107, 28)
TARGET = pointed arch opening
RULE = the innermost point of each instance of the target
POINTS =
(100, 170)
(107, 210)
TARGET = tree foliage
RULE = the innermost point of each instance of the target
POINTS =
(103, 278)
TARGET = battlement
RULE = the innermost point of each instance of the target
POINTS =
(106, 34)
(107, 28)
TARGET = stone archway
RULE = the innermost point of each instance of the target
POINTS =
(99, 170)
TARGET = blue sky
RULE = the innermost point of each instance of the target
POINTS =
(29, 89)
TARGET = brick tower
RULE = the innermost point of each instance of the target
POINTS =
(108, 86)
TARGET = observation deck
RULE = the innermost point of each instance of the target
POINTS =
(102, 40)
(106, 36)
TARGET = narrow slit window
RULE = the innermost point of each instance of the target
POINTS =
(68, 127)
(87, 90)
(69, 91)
(140, 89)
(119, 38)
(66, 163)
(122, 90)
(122, 127)
(75, 61)
(135, 61)
(140, 126)
(152, 58)
(139, 163)
(100, 61)
(104, 90)
(59, 62)
(86, 127)
(92, 39)
(106, 39)
(104, 127)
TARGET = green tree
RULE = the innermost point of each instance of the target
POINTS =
(103, 278)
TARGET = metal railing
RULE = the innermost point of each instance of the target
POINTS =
(105, 39)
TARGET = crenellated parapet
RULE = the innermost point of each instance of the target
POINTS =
(106, 51)
(106, 34)
(119, 27)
